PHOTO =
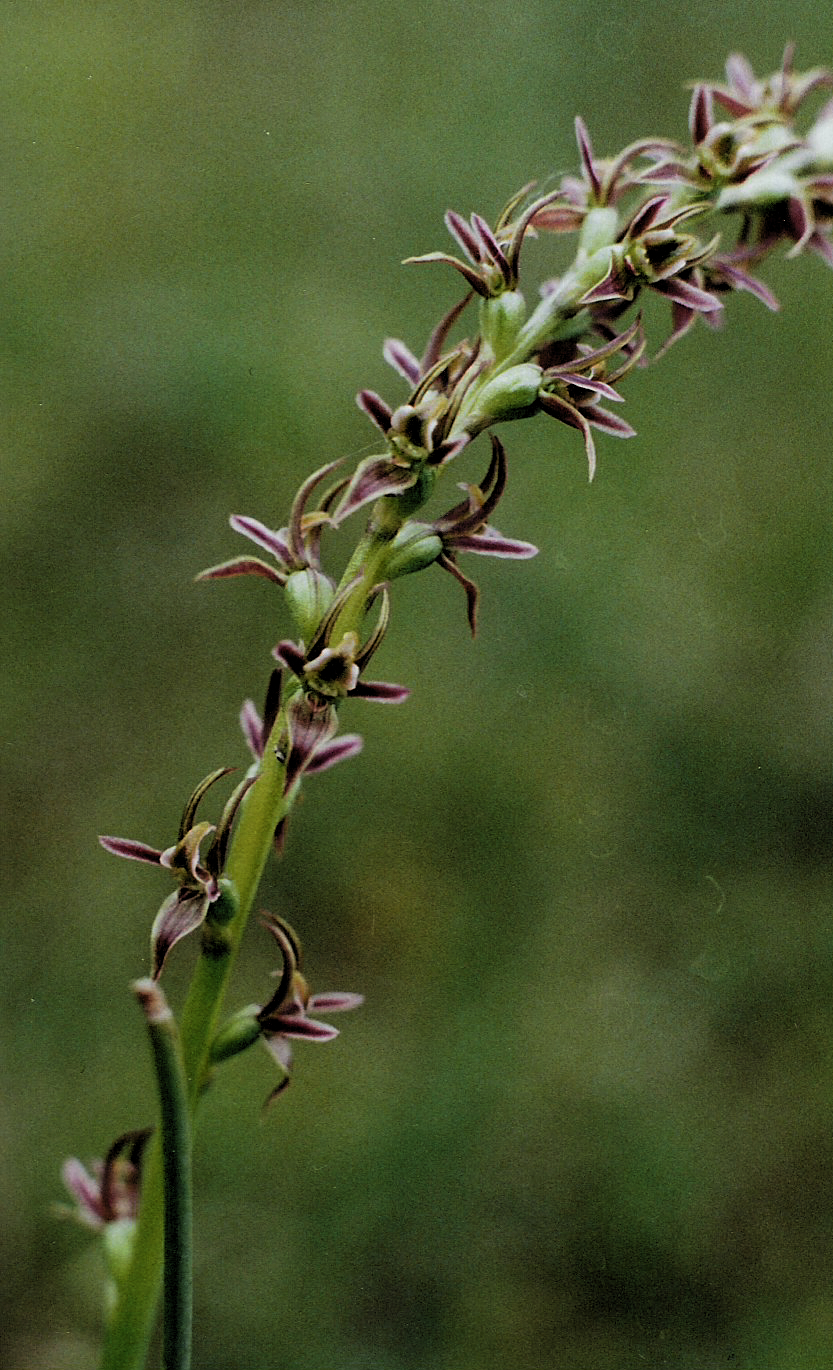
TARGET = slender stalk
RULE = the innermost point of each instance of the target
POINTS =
(175, 1140)
(131, 1325)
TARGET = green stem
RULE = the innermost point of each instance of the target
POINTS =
(175, 1137)
(131, 1325)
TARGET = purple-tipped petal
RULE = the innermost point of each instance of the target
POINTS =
(472, 593)
(590, 383)
(742, 280)
(382, 691)
(568, 413)
(491, 543)
(492, 248)
(132, 851)
(468, 272)
(331, 753)
(87, 1194)
(437, 340)
(289, 654)
(700, 115)
(402, 359)
(242, 566)
(465, 236)
(299, 1026)
(335, 1001)
(252, 726)
(690, 296)
(374, 406)
(180, 914)
(585, 148)
(607, 422)
(270, 541)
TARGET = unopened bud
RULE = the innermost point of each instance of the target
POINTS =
(415, 546)
(600, 229)
(511, 395)
(237, 1034)
(309, 594)
(501, 320)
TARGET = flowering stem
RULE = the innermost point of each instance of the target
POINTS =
(131, 1325)
(175, 1142)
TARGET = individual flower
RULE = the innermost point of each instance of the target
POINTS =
(652, 253)
(330, 669)
(295, 547)
(572, 389)
(109, 1192)
(286, 1018)
(492, 256)
(603, 182)
(464, 528)
(303, 749)
(744, 94)
(417, 432)
(201, 884)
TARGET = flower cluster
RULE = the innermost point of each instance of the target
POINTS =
(687, 223)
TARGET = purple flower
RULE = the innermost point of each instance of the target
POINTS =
(110, 1191)
(286, 1017)
(295, 547)
(572, 389)
(779, 94)
(466, 528)
(492, 257)
(329, 670)
(200, 880)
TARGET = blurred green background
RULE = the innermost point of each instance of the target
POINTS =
(583, 877)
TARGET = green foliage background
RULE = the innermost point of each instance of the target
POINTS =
(583, 877)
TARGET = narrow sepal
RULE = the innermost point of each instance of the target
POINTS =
(274, 542)
(242, 566)
(132, 851)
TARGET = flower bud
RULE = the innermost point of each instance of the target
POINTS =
(415, 546)
(238, 1033)
(501, 319)
(511, 395)
(600, 229)
(309, 594)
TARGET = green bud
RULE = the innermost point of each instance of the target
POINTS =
(600, 229)
(309, 594)
(511, 395)
(415, 546)
(501, 320)
(226, 905)
(238, 1033)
